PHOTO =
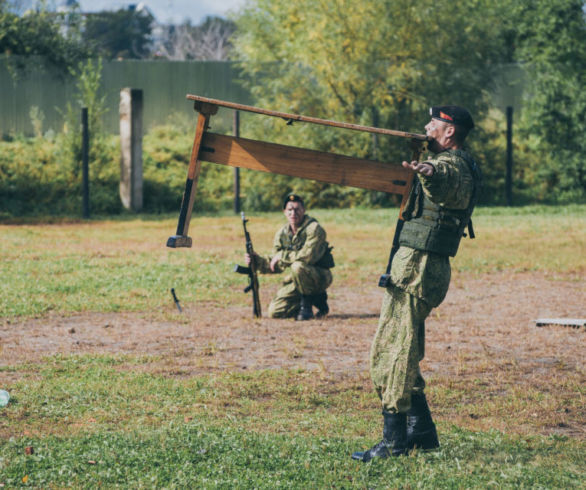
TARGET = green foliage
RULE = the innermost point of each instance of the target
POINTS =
(104, 173)
(42, 175)
(166, 152)
(380, 63)
(44, 37)
(39, 177)
(88, 75)
(551, 44)
(124, 33)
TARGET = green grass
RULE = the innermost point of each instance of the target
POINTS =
(124, 265)
(111, 421)
(267, 429)
(195, 455)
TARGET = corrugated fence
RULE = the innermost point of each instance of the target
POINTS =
(164, 85)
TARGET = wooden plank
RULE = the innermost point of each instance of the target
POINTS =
(297, 117)
(307, 164)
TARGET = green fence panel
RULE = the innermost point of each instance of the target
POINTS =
(164, 84)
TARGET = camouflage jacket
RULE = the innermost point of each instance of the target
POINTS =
(423, 274)
(307, 245)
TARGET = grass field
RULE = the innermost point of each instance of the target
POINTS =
(509, 416)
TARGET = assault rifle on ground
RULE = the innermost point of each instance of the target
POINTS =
(251, 272)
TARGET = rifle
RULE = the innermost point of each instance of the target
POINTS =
(417, 148)
(251, 272)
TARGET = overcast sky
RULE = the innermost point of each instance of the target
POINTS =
(169, 11)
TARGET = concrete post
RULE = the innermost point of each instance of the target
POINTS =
(131, 148)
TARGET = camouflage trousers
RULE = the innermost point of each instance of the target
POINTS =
(303, 279)
(397, 348)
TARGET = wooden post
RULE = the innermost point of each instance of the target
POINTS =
(85, 143)
(509, 171)
(236, 132)
(131, 102)
(180, 239)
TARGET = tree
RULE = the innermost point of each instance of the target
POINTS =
(125, 33)
(208, 41)
(379, 62)
(550, 42)
(52, 38)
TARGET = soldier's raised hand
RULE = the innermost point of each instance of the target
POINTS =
(420, 167)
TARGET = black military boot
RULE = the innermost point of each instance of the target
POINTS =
(320, 301)
(394, 441)
(421, 431)
(305, 311)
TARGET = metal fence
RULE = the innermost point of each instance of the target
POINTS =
(164, 85)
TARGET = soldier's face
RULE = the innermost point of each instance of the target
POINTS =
(441, 133)
(294, 212)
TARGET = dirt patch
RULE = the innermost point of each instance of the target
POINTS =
(483, 333)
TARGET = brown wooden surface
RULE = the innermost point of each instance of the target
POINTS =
(193, 175)
(307, 164)
(298, 117)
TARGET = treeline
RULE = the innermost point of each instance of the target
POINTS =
(384, 62)
(67, 35)
(380, 63)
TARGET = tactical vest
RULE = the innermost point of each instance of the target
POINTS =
(434, 228)
(326, 261)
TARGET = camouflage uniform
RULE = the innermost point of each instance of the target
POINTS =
(419, 282)
(298, 253)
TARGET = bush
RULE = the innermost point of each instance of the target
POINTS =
(36, 179)
(42, 176)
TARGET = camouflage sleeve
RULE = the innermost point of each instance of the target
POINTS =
(314, 247)
(263, 262)
(451, 184)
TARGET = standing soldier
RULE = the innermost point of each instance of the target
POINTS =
(301, 249)
(436, 215)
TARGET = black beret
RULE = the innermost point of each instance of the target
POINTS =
(292, 198)
(452, 114)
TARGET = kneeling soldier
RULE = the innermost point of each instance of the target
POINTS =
(301, 249)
